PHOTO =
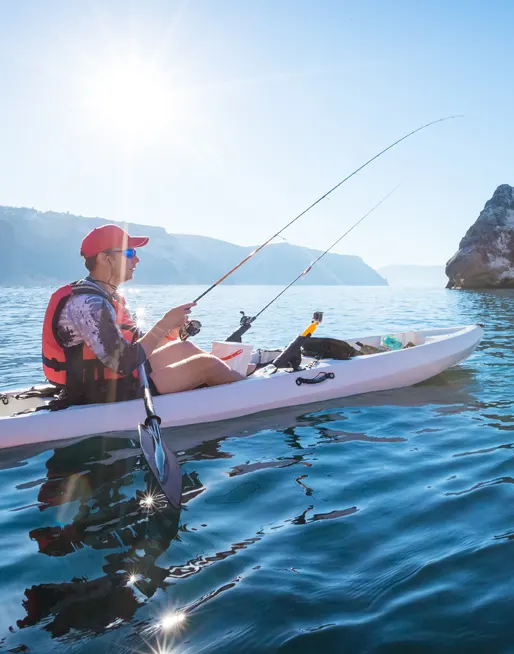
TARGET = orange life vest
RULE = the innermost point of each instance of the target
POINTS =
(77, 367)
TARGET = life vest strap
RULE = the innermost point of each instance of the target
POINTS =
(53, 364)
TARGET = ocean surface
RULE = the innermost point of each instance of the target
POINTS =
(377, 524)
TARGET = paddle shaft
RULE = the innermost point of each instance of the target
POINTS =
(147, 396)
(357, 170)
(153, 422)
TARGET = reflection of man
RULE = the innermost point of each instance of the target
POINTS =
(109, 519)
(91, 346)
(79, 604)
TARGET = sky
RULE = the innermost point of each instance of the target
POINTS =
(228, 118)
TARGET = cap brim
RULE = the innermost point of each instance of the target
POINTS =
(137, 241)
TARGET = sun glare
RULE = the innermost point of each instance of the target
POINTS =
(147, 501)
(172, 620)
(130, 98)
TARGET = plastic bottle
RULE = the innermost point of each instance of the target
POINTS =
(391, 343)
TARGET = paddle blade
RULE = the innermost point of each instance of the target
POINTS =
(162, 461)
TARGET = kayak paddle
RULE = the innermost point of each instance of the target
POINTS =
(163, 463)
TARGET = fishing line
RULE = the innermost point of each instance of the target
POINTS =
(357, 170)
(246, 321)
(193, 327)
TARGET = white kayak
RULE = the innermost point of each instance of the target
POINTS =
(434, 351)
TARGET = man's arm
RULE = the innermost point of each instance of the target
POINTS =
(93, 318)
(166, 329)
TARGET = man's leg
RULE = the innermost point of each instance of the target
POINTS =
(173, 353)
(191, 373)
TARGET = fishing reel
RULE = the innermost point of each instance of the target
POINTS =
(190, 328)
(245, 323)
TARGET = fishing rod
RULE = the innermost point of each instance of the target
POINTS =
(193, 327)
(246, 321)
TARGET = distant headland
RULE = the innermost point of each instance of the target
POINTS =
(43, 247)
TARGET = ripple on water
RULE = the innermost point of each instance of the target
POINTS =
(375, 524)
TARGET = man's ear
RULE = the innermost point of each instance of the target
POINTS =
(103, 258)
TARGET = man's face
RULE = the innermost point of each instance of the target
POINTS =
(120, 266)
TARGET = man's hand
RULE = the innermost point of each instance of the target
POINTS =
(172, 321)
(175, 318)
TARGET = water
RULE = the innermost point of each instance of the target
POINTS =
(373, 524)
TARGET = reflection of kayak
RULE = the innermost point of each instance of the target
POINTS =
(434, 350)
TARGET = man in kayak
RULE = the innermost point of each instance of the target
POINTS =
(91, 345)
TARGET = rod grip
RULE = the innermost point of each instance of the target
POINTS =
(235, 337)
(286, 358)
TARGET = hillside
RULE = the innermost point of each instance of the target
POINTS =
(42, 247)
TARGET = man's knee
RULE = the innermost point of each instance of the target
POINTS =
(211, 362)
(210, 366)
(201, 361)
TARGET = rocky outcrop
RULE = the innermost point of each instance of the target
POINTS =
(485, 258)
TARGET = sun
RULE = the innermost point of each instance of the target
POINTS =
(129, 97)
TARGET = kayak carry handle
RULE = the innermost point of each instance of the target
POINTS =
(320, 377)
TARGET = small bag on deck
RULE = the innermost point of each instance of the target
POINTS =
(328, 348)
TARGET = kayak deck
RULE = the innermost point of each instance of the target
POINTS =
(425, 353)
(13, 402)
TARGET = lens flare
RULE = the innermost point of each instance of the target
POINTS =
(147, 501)
(151, 501)
(160, 648)
(172, 620)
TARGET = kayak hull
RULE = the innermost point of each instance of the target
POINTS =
(434, 351)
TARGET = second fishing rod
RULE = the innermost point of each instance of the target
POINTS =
(193, 327)
(246, 321)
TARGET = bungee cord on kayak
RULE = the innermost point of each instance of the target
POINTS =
(193, 327)
(246, 321)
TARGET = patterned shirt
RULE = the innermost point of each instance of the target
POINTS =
(91, 319)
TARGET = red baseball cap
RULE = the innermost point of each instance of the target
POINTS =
(109, 237)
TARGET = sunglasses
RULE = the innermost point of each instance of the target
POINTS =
(130, 253)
